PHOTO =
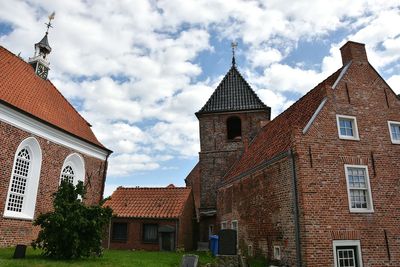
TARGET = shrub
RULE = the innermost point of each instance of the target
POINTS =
(72, 230)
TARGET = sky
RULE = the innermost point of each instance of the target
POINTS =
(138, 70)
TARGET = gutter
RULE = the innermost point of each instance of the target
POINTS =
(296, 209)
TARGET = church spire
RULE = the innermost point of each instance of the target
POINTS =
(42, 49)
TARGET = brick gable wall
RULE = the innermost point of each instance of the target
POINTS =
(324, 206)
(13, 231)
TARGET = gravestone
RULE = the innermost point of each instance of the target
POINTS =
(19, 252)
(190, 260)
(227, 242)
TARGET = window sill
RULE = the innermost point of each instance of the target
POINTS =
(17, 216)
(361, 211)
(351, 138)
(150, 242)
(395, 142)
(119, 241)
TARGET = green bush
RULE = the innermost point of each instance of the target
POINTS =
(72, 230)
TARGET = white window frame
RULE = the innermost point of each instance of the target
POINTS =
(355, 135)
(390, 123)
(224, 225)
(32, 181)
(345, 243)
(78, 166)
(370, 205)
(277, 256)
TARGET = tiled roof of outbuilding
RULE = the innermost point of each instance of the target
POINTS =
(232, 94)
(276, 136)
(156, 202)
(22, 89)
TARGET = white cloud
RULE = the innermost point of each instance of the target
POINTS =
(394, 83)
(132, 68)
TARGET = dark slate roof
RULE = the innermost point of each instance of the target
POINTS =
(232, 94)
(44, 43)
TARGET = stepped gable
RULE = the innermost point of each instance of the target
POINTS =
(232, 94)
(156, 202)
(276, 136)
(23, 90)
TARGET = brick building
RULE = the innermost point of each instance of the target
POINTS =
(318, 185)
(43, 140)
(151, 219)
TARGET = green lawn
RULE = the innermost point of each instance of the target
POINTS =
(110, 258)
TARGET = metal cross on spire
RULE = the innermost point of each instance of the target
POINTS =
(233, 45)
(51, 17)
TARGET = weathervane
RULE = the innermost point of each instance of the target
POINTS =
(233, 45)
(51, 17)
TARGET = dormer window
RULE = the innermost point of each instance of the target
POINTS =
(234, 128)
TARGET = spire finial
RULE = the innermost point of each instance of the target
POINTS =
(233, 45)
(51, 17)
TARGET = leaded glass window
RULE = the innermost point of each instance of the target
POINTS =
(68, 174)
(19, 181)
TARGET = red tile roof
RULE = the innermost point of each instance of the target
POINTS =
(23, 90)
(139, 202)
(276, 136)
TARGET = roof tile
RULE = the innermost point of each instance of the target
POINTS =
(139, 202)
(22, 89)
(232, 94)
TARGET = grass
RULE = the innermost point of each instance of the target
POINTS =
(109, 259)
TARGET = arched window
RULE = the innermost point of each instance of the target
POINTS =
(234, 128)
(24, 182)
(73, 169)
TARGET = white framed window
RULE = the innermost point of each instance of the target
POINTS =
(224, 225)
(358, 188)
(347, 127)
(73, 169)
(394, 130)
(347, 253)
(277, 252)
(24, 181)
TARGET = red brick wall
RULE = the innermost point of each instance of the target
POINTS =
(263, 206)
(14, 231)
(325, 214)
(135, 234)
(186, 221)
(218, 153)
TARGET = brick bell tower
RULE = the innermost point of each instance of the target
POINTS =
(229, 120)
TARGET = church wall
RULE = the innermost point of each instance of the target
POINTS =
(14, 231)
(262, 205)
(324, 202)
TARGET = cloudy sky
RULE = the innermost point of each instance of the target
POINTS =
(137, 70)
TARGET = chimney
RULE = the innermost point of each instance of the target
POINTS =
(352, 51)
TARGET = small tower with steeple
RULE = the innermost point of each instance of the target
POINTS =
(228, 121)
(39, 61)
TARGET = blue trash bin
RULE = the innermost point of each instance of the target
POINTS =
(214, 244)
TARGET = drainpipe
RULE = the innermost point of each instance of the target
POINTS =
(296, 209)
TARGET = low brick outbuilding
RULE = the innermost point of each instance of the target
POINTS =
(151, 219)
